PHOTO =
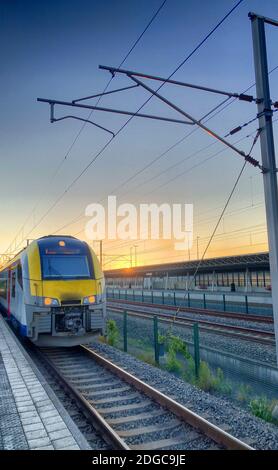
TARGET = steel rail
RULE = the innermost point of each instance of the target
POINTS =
(212, 431)
(91, 413)
(260, 336)
(201, 311)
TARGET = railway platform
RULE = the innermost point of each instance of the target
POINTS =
(31, 415)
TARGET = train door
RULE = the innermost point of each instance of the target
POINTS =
(20, 313)
(9, 292)
(12, 291)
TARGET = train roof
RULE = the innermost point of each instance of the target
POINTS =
(225, 263)
(16, 257)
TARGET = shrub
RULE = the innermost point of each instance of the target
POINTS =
(189, 373)
(161, 339)
(172, 363)
(112, 332)
(262, 408)
(175, 345)
(206, 379)
(220, 384)
(244, 392)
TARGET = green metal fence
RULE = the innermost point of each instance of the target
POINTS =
(211, 301)
(145, 338)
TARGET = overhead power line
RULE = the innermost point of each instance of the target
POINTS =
(81, 216)
(224, 209)
(100, 152)
(226, 103)
(227, 202)
(54, 174)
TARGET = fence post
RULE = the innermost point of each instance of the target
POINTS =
(205, 305)
(196, 349)
(188, 299)
(152, 297)
(224, 303)
(163, 297)
(175, 298)
(133, 295)
(155, 334)
(126, 294)
(246, 304)
(125, 331)
(142, 296)
(119, 293)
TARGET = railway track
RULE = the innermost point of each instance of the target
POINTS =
(240, 332)
(200, 311)
(129, 413)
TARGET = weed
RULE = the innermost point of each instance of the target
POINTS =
(220, 383)
(102, 339)
(244, 392)
(189, 373)
(206, 379)
(172, 363)
(112, 332)
(147, 357)
(262, 408)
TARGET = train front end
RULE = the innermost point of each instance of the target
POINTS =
(66, 302)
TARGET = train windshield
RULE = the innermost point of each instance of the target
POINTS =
(65, 267)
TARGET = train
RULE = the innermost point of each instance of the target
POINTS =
(53, 292)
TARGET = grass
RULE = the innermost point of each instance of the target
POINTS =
(244, 392)
(262, 407)
(112, 332)
(184, 367)
(147, 357)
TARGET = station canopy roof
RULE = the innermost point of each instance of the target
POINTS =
(226, 263)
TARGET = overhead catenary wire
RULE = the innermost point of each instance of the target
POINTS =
(79, 217)
(223, 210)
(196, 165)
(225, 206)
(191, 168)
(248, 136)
(56, 171)
(100, 152)
(228, 102)
(197, 224)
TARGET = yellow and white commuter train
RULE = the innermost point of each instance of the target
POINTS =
(53, 291)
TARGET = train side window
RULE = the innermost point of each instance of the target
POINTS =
(3, 288)
(19, 275)
(13, 283)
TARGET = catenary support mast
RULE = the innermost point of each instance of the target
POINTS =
(268, 153)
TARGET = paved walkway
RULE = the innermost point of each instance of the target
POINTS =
(31, 416)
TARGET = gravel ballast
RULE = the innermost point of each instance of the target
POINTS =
(224, 413)
(227, 320)
(143, 329)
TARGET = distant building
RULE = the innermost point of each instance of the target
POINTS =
(247, 273)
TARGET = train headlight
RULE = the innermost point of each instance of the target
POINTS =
(49, 302)
(91, 299)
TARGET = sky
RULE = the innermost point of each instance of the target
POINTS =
(53, 50)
